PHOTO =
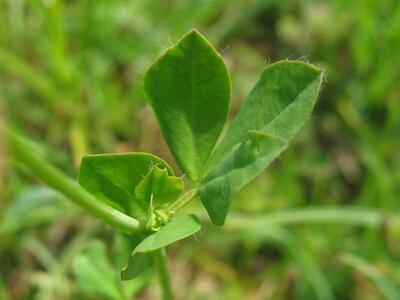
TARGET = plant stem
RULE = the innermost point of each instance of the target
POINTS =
(342, 216)
(60, 182)
(160, 260)
(182, 201)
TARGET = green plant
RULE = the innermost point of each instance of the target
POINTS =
(189, 89)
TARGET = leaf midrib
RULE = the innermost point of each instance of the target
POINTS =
(89, 164)
(292, 103)
(283, 147)
(193, 107)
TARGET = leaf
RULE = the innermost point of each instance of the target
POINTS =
(242, 164)
(95, 274)
(177, 229)
(112, 178)
(278, 105)
(158, 183)
(189, 89)
(137, 264)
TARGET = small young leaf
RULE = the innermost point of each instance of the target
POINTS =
(95, 274)
(241, 165)
(189, 89)
(158, 183)
(278, 105)
(177, 229)
(112, 178)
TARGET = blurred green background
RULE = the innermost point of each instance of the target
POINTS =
(71, 81)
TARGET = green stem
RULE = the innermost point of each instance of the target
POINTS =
(60, 182)
(160, 260)
(182, 201)
(341, 216)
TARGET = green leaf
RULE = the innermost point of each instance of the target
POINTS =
(95, 274)
(177, 229)
(189, 89)
(159, 185)
(137, 264)
(279, 105)
(242, 164)
(112, 178)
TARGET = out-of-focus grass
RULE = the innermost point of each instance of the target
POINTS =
(70, 80)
